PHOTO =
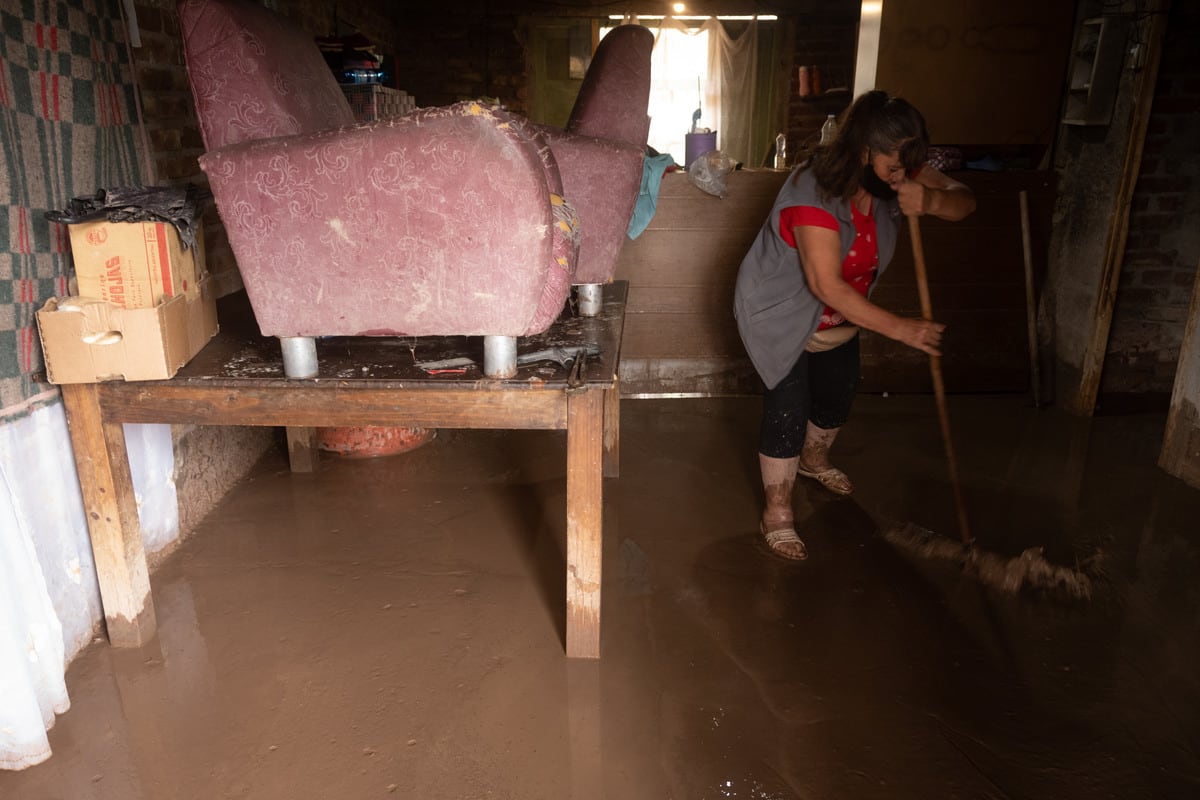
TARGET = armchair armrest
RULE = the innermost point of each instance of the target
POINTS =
(449, 221)
(602, 177)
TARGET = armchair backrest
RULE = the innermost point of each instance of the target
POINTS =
(615, 94)
(255, 74)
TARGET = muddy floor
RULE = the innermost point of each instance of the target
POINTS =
(394, 627)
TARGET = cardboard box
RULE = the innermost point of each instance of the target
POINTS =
(86, 340)
(135, 264)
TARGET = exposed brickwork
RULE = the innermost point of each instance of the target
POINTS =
(826, 36)
(171, 127)
(441, 61)
(1164, 242)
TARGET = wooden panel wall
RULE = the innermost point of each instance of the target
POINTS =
(982, 72)
(976, 273)
(680, 335)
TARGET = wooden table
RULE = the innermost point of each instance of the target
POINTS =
(238, 380)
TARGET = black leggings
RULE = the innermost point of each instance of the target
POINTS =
(820, 388)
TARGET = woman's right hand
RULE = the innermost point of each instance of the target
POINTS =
(921, 334)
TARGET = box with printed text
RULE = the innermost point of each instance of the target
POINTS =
(135, 264)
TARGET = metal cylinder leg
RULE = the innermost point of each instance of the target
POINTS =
(299, 356)
(499, 356)
(590, 299)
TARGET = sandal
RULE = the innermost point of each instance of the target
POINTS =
(784, 536)
(831, 478)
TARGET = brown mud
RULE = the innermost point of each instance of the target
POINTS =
(394, 627)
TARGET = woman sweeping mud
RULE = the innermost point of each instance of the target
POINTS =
(802, 291)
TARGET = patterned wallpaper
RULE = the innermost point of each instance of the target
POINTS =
(68, 126)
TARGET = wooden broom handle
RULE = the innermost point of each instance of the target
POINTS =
(939, 387)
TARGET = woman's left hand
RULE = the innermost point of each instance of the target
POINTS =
(931, 192)
(914, 198)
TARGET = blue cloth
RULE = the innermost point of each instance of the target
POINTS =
(653, 168)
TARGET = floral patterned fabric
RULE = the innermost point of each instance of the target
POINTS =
(602, 150)
(602, 177)
(449, 221)
(254, 74)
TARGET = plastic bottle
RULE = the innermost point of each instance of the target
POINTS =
(781, 151)
(829, 130)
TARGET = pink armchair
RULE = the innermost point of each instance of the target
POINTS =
(449, 221)
(600, 154)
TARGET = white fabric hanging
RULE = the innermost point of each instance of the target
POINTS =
(32, 657)
(733, 82)
(724, 86)
(676, 93)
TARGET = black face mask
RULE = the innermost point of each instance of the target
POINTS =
(876, 185)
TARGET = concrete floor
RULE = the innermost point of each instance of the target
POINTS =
(394, 627)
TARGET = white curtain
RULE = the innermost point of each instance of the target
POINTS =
(32, 656)
(703, 67)
(676, 91)
(733, 70)
(49, 596)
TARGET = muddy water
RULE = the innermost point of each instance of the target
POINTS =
(393, 628)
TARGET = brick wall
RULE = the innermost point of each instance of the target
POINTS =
(441, 59)
(826, 36)
(171, 127)
(1163, 246)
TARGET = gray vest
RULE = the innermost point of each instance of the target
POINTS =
(776, 313)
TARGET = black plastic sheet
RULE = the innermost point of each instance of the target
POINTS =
(178, 205)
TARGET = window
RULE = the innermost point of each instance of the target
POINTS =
(678, 80)
(730, 79)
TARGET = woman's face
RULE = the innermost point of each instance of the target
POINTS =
(888, 167)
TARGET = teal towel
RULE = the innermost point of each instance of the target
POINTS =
(653, 168)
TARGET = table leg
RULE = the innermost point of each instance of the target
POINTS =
(111, 509)
(585, 482)
(612, 430)
(303, 452)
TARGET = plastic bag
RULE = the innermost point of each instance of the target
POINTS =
(178, 205)
(709, 170)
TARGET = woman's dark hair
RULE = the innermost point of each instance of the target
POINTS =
(873, 123)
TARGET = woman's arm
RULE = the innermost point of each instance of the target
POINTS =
(931, 192)
(820, 258)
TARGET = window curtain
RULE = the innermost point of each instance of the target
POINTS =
(733, 76)
(677, 91)
(68, 126)
(748, 103)
(32, 652)
(739, 93)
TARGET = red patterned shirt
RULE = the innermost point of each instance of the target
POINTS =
(861, 263)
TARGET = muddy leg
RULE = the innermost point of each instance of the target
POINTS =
(778, 524)
(814, 460)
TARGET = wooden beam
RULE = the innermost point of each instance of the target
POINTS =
(612, 430)
(111, 510)
(1180, 454)
(585, 455)
(1084, 400)
(313, 404)
(304, 455)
